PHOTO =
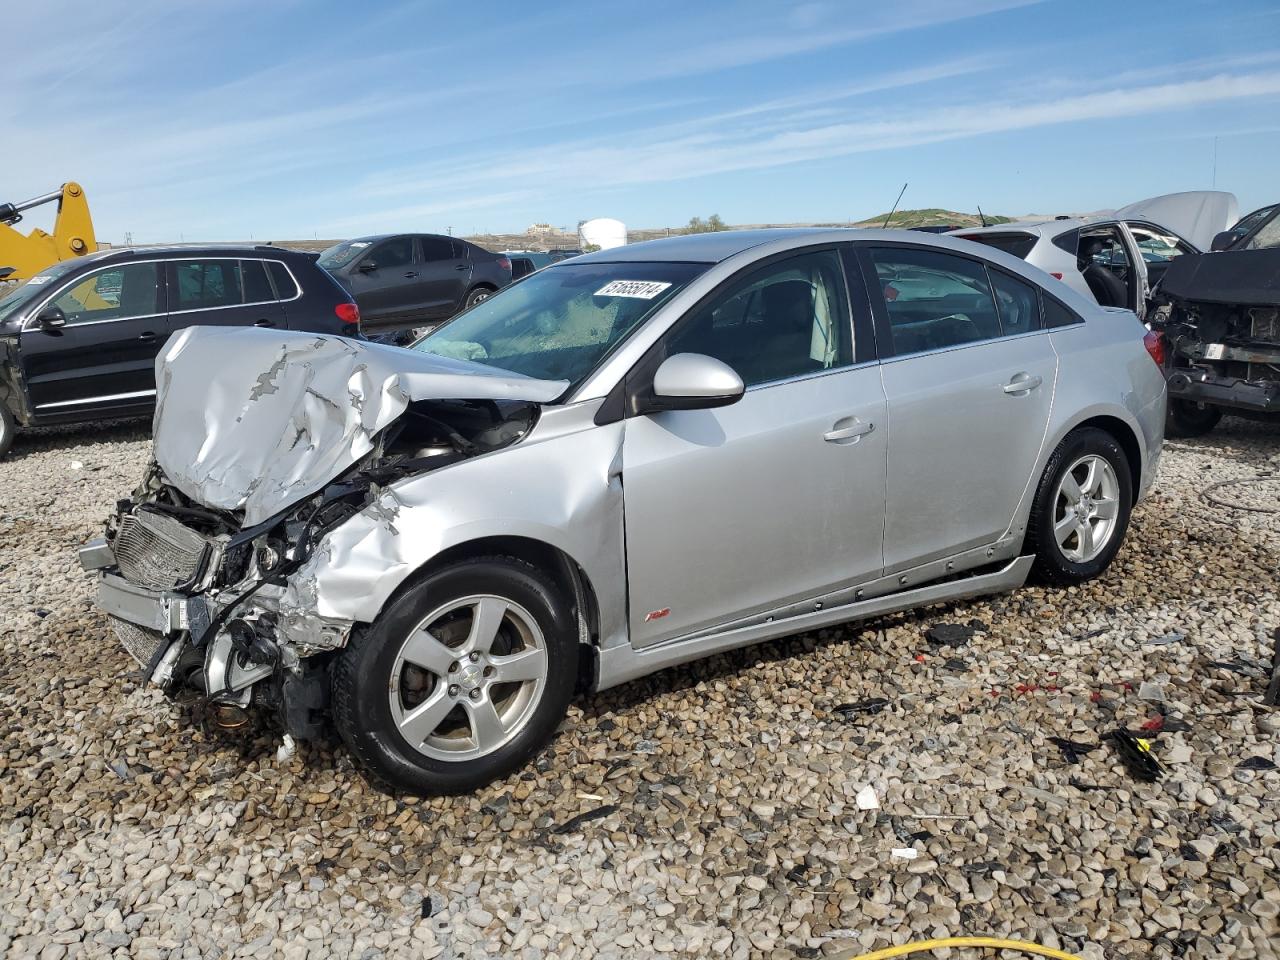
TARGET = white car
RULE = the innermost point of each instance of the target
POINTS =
(1116, 258)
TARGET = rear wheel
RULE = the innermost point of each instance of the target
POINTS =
(461, 680)
(1081, 510)
(478, 295)
(1186, 418)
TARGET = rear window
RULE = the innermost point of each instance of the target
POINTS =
(286, 288)
(1056, 314)
(1016, 243)
(256, 287)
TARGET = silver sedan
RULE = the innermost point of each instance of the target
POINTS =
(623, 462)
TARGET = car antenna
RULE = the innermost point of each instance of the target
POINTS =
(895, 207)
(982, 216)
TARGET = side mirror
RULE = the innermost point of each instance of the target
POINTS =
(694, 381)
(1223, 240)
(367, 266)
(51, 318)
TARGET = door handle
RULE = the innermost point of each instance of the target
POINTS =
(1022, 384)
(146, 336)
(852, 432)
(462, 266)
(264, 322)
(411, 274)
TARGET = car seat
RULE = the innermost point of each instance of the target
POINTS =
(1108, 289)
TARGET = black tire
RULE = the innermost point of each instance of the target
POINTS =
(477, 295)
(8, 429)
(1052, 565)
(1186, 418)
(363, 675)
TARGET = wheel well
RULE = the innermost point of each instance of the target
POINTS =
(568, 577)
(483, 285)
(1127, 439)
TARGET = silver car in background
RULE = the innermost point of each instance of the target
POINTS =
(623, 462)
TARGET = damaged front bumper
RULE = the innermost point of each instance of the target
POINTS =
(1201, 385)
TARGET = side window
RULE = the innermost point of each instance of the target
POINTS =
(1266, 238)
(128, 290)
(393, 253)
(436, 248)
(783, 320)
(286, 288)
(204, 284)
(934, 300)
(1155, 245)
(1017, 301)
(256, 287)
(1057, 315)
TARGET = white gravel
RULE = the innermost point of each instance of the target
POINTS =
(731, 824)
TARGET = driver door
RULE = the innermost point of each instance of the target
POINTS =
(778, 497)
(103, 358)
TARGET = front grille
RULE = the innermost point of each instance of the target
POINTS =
(142, 644)
(156, 551)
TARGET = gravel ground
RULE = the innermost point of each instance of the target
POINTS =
(720, 800)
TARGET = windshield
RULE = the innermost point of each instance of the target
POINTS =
(340, 254)
(559, 323)
(24, 293)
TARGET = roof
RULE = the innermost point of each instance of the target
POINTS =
(189, 249)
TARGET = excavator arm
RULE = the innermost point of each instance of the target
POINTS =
(24, 256)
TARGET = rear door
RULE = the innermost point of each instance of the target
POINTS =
(969, 377)
(1154, 249)
(446, 274)
(103, 359)
(221, 292)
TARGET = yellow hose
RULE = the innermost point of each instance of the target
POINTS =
(922, 946)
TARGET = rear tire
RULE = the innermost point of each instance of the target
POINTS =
(1078, 522)
(478, 295)
(461, 680)
(1186, 418)
(8, 429)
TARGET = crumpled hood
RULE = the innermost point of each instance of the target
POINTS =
(259, 419)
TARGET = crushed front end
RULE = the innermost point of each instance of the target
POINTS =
(1220, 316)
(200, 572)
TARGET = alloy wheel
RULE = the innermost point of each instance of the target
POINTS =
(1086, 507)
(468, 678)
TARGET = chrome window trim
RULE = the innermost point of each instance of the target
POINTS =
(812, 375)
(136, 394)
(29, 322)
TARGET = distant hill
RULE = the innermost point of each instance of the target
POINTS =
(931, 217)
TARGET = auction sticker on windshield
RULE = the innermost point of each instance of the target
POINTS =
(639, 289)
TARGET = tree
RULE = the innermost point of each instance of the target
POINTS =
(713, 224)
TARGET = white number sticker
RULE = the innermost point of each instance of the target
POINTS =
(36, 281)
(639, 289)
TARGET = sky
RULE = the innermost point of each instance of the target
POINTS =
(288, 119)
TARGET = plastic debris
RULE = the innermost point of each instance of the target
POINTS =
(904, 853)
(1173, 636)
(1136, 754)
(867, 799)
(77, 465)
(1255, 763)
(1073, 750)
(569, 826)
(953, 634)
(1151, 691)
(428, 908)
(287, 749)
(872, 705)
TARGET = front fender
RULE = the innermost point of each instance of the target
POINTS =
(561, 486)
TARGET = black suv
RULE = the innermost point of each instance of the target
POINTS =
(414, 280)
(79, 341)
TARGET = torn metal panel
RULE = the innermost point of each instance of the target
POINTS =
(559, 486)
(258, 419)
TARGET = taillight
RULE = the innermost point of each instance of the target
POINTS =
(1154, 342)
(347, 312)
(505, 263)
(1055, 275)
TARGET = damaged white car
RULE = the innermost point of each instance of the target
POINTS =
(623, 462)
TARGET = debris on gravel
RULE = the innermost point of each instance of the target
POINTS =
(708, 810)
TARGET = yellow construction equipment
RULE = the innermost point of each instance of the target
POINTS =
(22, 257)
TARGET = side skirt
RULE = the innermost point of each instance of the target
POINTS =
(620, 664)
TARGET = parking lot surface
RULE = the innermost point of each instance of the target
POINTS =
(708, 810)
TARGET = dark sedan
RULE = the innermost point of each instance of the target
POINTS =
(79, 340)
(406, 281)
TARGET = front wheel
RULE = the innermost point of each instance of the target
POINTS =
(1081, 509)
(8, 429)
(1187, 418)
(461, 680)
